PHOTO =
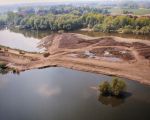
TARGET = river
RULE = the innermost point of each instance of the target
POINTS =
(29, 40)
(19, 41)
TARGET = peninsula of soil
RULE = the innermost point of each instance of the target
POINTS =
(129, 58)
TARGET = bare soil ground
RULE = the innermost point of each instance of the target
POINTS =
(129, 58)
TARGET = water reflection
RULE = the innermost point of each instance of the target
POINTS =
(114, 101)
(8, 70)
(65, 94)
(4, 71)
(3, 83)
(19, 41)
(32, 33)
(47, 91)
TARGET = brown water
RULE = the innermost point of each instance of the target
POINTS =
(64, 94)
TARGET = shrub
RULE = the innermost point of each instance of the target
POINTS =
(61, 31)
(21, 52)
(46, 54)
(117, 86)
(3, 66)
(14, 70)
(104, 88)
(5, 49)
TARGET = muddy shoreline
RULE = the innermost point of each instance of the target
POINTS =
(128, 58)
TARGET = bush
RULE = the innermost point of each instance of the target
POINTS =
(5, 49)
(98, 28)
(61, 31)
(46, 54)
(104, 88)
(21, 52)
(14, 70)
(3, 66)
(117, 86)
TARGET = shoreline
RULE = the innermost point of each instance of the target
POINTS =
(72, 54)
(91, 70)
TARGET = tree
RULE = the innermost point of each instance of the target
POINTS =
(117, 86)
(3, 66)
(145, 30)
(104, 88)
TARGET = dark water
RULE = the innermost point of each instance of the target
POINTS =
(64, 94)
(19, 41)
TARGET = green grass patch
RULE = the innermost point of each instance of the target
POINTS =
(140, 11)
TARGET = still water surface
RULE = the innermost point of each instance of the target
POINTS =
(19, 41)
(64, 94)
(29, 40)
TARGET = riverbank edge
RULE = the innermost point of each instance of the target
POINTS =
(74, 65)
(77, 67)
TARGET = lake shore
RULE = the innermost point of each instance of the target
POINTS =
(128, 58)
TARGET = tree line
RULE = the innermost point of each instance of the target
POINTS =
(74, 20)
(3, 21)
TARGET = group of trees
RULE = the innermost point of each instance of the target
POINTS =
(51, 22)
(70, 9)
(3, 68)
(54, 18)
(121, 24)
(72, 19)
(62, 9)
(134, 4)
(3, 21)
(115, 88)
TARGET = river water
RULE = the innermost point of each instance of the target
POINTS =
(19, 41)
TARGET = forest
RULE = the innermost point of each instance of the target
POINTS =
(69, 18)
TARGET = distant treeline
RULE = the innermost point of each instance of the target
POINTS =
(71, 18)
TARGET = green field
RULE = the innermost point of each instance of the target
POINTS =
(140, 11)
(3, 17)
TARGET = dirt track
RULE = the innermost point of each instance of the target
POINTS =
(127, 58)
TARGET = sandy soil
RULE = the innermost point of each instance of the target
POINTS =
(129, 58)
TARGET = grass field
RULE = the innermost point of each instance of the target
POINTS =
(141, 11)
(3, 17)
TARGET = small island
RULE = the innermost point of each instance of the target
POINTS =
(115, 88)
